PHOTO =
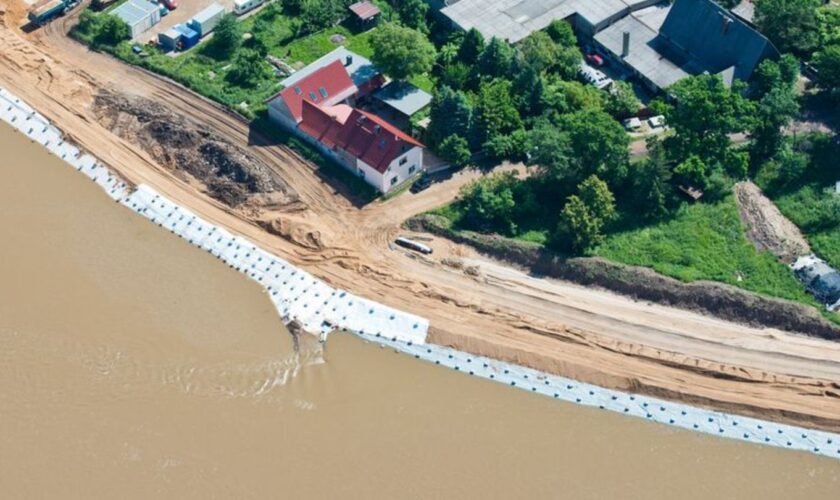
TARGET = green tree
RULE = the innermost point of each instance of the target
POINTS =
(551, 150)
(693, 171)
(227, 37)
(513, 146)
(413, 14)
(774, 111)
(496, 60)
(562, 33)
(111, 31)
(450, 113)
(496, 112)
(599, 145)
(827, 62)
(489, 202)
(455, 75)
(456, 150)
(401, 52)
(316, 15)
(792, 25)
(538, 51)
(472, 44)
(248, 68)
(585, 214)
(704, 115)
(652, 192)
(621, 101)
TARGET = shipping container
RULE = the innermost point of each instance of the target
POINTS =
(189, 38)
(169, 39)
(204, 22)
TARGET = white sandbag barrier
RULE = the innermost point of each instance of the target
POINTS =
(688, 417)
(298, 295)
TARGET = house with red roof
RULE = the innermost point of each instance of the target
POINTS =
(319, 107)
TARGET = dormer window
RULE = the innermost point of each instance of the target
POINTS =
(298, 90)
(323, 92)
(313, 96)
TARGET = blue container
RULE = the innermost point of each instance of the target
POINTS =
(189, 38)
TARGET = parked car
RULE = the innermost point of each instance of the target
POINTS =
(594, 76)
(421, 184)
(632, 123)
(170, 4)
(136, 49)
(595, 59)
(656, 121)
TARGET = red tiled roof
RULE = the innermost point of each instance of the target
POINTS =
(331, 80)
(363, 135)
(365, 10)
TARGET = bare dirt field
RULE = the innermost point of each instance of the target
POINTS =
(585, 333)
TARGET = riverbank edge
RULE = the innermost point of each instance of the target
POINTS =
(405, 333)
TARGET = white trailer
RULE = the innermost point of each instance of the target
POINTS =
(139, 15)
(242, 6)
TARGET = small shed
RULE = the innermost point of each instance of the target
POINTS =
(365, 13)
(403, 97)
(139, 15)
(169, 39)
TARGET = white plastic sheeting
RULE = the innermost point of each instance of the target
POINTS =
(300, 296)
(297, 294)
(688, 417)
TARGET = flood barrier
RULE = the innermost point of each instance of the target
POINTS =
(298, 295)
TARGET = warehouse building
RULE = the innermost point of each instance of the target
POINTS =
(659, 42)
(513, 20)
(139, 15)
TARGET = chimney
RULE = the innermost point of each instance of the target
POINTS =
(348, 60)
(625, 44)
(377, 129)
(726, 22)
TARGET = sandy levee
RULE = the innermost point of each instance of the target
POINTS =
(583, 333)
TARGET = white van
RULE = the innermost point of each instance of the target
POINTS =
(242, 6)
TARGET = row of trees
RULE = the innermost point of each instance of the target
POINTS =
(808, 29)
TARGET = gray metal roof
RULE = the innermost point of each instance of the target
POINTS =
(643, 57)
(134, 10)
(208, 12)
(514, 20)
(404, 97)
(360, 69)
(712, 38)
(670, 42)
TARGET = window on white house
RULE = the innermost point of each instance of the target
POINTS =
(394, 179)
(411, 169)
(403, 160)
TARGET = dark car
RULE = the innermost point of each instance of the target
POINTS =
(421, 184)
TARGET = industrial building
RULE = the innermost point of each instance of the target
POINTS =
(665, 43)
(139, 15)
(657, 41)
(513, 20)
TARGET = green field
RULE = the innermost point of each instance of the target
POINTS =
(815, 209)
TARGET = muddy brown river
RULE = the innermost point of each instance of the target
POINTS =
(133, 365)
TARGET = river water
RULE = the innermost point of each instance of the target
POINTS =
(133, 365)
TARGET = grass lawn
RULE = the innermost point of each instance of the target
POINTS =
(816, 210)
(705, 242)
(701, 242)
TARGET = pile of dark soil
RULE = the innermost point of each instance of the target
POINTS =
(229, 173)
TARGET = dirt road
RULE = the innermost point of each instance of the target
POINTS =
(587, 334)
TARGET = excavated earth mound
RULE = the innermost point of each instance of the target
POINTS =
(229, 173)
